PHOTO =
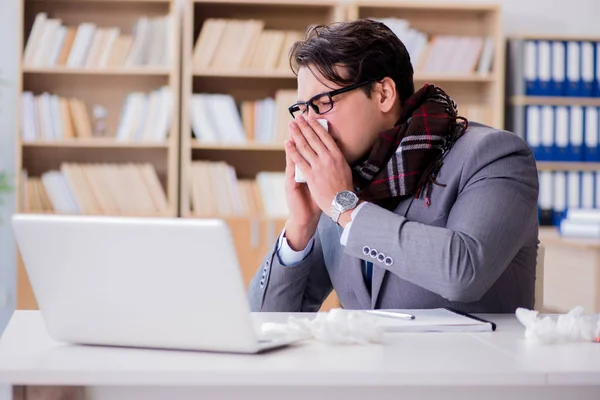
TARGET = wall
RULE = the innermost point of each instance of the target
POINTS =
(567, 17)
(9, 17)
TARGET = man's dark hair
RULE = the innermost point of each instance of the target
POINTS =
(367, 49)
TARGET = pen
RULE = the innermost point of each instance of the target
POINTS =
(391, 314)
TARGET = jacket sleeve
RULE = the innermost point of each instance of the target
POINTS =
(496, 203)
(302, 287)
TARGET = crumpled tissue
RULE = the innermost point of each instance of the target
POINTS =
(337, 326)
(573, 326)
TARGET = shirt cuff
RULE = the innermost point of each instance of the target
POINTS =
(289, 257)
(346, 232)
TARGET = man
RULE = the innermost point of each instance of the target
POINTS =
(406, 204)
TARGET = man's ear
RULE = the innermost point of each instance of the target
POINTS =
(387, 94)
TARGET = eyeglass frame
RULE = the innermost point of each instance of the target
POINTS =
(330, 94)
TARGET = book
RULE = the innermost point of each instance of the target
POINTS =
(432, 320)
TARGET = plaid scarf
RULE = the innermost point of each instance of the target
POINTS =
(405, 160)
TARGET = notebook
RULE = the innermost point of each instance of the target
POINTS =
(433, 320)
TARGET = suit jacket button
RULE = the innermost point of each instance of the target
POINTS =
(373, 253)
(389, 261)
(380, 257)
(366, 250)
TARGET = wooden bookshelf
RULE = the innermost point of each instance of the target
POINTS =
(243, 84)
(479, 97)
(107, 86)
(249, 82)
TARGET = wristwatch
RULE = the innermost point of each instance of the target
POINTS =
(343, 201)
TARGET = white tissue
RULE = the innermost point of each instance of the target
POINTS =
(337, 326)
(298, 175)
(573, 326)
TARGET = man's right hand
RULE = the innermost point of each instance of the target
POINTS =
(304, 212)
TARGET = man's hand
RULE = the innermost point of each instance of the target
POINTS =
(321, 161)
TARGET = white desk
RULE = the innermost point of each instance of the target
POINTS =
(494, 365)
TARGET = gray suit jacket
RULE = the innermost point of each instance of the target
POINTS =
(474, 248)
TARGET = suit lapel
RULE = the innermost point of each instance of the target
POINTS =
(378, 275)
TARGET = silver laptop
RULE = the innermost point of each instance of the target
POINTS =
(144, 282)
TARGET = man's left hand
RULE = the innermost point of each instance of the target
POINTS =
(321, 161)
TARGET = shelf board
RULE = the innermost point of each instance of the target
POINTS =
(149, 71)
(549, 236)
(551, 36)
(245, 74)
(555, 101)
(237, 147)
(96, 143)
(437, 77)
(433, 6)
(103, 1)
(278, 3)
(568, 166)
(441, 77)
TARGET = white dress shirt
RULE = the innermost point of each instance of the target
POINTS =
(289, 257)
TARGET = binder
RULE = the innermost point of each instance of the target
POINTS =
(544, 69)
(576, 133)
(559, 65)
(587, 69)
(546, 190)
(533, 131)
(573, 68)
(588, 194)
(547, 136)
(562, 150)
(573, 189)
(597, 189)
(559, 201)
(591, 151)
(597, 75)
(530, 67)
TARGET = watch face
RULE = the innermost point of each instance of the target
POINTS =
(346, 198)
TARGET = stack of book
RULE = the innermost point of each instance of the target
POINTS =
(581, 223)
(217, 118)
(51, 43)
(98, 189)
(444, 54)
(145, 117)
(216, 191)
(242, 45)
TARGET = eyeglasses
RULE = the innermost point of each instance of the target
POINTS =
(322, 102)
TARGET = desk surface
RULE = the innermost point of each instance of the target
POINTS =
(29, 357)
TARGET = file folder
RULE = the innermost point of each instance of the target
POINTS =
(559, 201)
(544, 69)
(573, 69)
(587, 69)
(546, 191)
(533, 131)
(530, 68)
(559, 64)
(547, 133)
(562, 150)
(576, 133)
(591, 152)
